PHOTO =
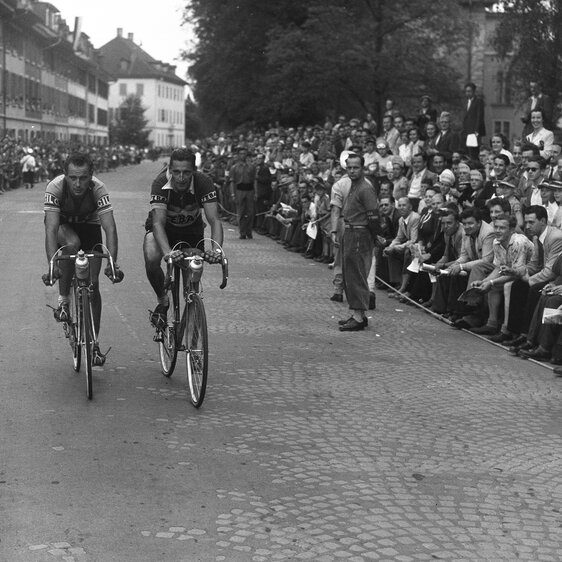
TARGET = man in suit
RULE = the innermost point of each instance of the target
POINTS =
(537, 100)
(398, 252)
(473, 120)
(526, 291)
(475, 260)
(447, 142)
(420, 175)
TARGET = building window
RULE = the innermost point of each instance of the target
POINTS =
(122, 89)
(140, 90)
(503, 127)
(503, 96)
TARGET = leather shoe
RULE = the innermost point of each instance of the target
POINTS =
(556, 361)
(461, 324)
(484, 330)
(500, 338)
(344, 322)
(352, 326)
(537, 353)
(372, 301)
(516, 341)
(336, 297)
(526, 346)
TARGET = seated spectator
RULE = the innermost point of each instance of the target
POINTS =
(557, 186)
(473, 264)
(390, 220)
(398, 252)
(529, 187)
(506, 189)
(512, 253)
(525, 292)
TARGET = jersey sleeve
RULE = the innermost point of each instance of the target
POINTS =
(53, 192)
(101, 197)
(158, 196)
(205, 189)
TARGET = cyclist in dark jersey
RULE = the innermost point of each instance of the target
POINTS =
(77, 208)
(177, 196)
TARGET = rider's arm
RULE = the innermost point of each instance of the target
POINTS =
(212, 215)
(159, 229)
(108, 224)
(52, 223)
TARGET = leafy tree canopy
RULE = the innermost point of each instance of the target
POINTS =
(529, 37)
(129, 127)
(296, 61)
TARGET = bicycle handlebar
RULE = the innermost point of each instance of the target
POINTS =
(196, 254)
(49, 279)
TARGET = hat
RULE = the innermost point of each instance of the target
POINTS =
(447, 176)
(555, 184)
(548, 185)
(506, 183)
(398, 160)
(381, 143)
(370, 139)
(425, 96)
(30, 150)
(343, 157)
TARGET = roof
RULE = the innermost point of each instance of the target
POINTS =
(138, 63)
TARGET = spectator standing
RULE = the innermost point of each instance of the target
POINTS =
(537, 100)
(473, 126)
(242, 180)
(28, 169)
(264, 192)
(426, 113)
(361, 220)
(539, 136)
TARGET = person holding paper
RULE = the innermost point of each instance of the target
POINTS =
(473, 126)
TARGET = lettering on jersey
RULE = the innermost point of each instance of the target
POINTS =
(103, 202)
(209, 197)
(159, 199)
(182, 220)
(51, 200)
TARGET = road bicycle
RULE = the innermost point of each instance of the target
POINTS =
(79, 328)
(186, 330)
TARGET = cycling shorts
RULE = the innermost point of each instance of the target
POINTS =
(89, 235)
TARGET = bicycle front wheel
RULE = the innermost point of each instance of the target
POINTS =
(88, 342)
(74, 332)
(168, 350)
(197, 351)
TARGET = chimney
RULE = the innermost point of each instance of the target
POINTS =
(130, 36)
(119, 32)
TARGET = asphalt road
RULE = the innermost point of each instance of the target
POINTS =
(409, 441)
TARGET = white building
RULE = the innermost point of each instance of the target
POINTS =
(162, 92)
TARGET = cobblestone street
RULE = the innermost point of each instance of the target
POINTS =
(409, 441)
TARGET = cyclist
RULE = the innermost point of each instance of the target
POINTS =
(77, 208)
(177, 196)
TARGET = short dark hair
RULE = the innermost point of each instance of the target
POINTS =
(471, 85)
(539, 160)
(79, 159)
(502, 157)
(472, 213)
(530, 146)
(501, 202)
(182, 155)
(538, 210)
(355, 155)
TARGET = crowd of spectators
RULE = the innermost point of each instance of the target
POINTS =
(467, 220)
(43, 160)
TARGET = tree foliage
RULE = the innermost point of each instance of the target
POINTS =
(129, 126)
(297, 61)
(529, 38)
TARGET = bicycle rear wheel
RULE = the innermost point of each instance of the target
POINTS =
(88, 341)
(197, 352)
(74, 332)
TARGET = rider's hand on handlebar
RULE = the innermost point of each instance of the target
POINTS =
(175, 256)
(48, 280)
(118, 277)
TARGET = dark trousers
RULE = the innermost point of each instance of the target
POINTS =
(357, 255)
(447, 293)
(522, 304)
(545, 335)
(263, 204)
(245, 210)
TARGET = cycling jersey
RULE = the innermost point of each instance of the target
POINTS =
(84, 210)
(183, 209)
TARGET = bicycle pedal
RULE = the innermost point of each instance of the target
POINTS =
(158, 337)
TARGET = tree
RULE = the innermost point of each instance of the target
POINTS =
(295, 61)
(129, 126)
(529, 39)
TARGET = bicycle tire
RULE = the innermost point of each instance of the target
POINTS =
(197, 350)
(168, 351)
(74, 328)
(88, 343)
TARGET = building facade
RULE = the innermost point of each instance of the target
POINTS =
(161, 92)
(51, 81)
